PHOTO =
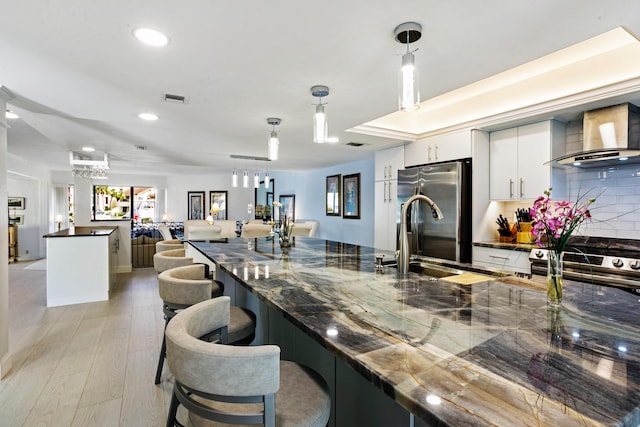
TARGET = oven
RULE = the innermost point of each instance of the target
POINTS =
(597, 260)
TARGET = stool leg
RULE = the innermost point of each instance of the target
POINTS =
(173, 410)
(163, 352)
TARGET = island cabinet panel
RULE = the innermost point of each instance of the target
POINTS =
(81, 265)
(440, 148)
(518, 160)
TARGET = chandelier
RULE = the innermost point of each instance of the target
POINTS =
(85, 167)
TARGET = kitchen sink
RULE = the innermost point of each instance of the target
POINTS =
(431, 270)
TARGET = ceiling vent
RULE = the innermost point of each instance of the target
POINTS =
(141, 148)
(355, 144)
(176, 99)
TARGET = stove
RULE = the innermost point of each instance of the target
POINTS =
(597, 260)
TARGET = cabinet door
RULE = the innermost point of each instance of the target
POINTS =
(534, 149)
(452, 146)
(386, 201)
(503, 164)
(416, 154)
(388, 162)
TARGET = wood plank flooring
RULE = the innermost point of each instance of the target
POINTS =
(86, 364)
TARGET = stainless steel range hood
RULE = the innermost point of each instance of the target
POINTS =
(611, 137)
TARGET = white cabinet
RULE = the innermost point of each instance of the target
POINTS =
(517, 158)
(388, 162)
(441, 148)
(502, 259)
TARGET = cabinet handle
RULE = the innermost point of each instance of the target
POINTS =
(390, 172)
(385, 172)
(389, 194)
(429, 153)
(436, 150)
(384, 192)
(511, 189)
(521, 188)
(505, 258)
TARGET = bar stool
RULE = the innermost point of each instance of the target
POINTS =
(181, 287)
(255, 230)
(237, 385)
(170, 259)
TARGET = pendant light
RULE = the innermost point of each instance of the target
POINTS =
(256, 180)
(245, 179)
(234, 178)
(273, 139)
(267, 180)
(409, 88)
(320, 128)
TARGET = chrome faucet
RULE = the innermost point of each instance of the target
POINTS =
(404, 251)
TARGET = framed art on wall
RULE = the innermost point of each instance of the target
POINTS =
(332, 195)
(351, 192)
(218, 204)
(288, 208)
(16, 203)
(195, 205)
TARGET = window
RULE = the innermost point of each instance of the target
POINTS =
(116, 203)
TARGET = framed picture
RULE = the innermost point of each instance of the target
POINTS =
(195, 205)
(333, 195)
(218, 205)
(16, 203)
(351, 192)
(16, 219)
(288, 208)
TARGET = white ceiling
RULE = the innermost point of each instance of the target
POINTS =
(80, 78)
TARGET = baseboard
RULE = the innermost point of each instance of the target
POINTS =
(124, 268)
(5, 365)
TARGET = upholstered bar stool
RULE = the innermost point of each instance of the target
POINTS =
(182, 287)
(170, 259)
(237, 385)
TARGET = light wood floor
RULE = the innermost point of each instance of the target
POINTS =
(87, 364)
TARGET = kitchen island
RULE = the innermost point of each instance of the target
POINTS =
(458, 349)
(81, 264)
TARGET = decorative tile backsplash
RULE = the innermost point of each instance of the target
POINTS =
(616, 212)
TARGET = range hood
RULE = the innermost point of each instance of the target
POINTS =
(611, 136)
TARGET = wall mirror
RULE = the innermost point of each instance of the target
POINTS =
(264, 201)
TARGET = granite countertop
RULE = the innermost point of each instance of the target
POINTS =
(491, 351)
(83, 232)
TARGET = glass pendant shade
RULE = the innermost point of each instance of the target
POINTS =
(273, 146)
(256, 180)
(320, 125)
(234, 178)
(245, 179)
(267, 180)
(409, 93)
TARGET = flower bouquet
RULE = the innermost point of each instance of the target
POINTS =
(553, 224)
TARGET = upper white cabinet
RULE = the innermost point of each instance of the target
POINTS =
(440, 148)
(388, 162)
(517, 158)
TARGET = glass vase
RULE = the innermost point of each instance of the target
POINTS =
(285, 242)
(554, 278)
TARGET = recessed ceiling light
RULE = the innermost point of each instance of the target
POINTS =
(151, 37)
(89, 149)
(333, 139)
(11, 115)
(148, 116)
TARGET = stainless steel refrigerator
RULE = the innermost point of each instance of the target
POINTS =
(449, 186)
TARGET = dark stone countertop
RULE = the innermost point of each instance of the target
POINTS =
(83, 231)
(491, 351)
